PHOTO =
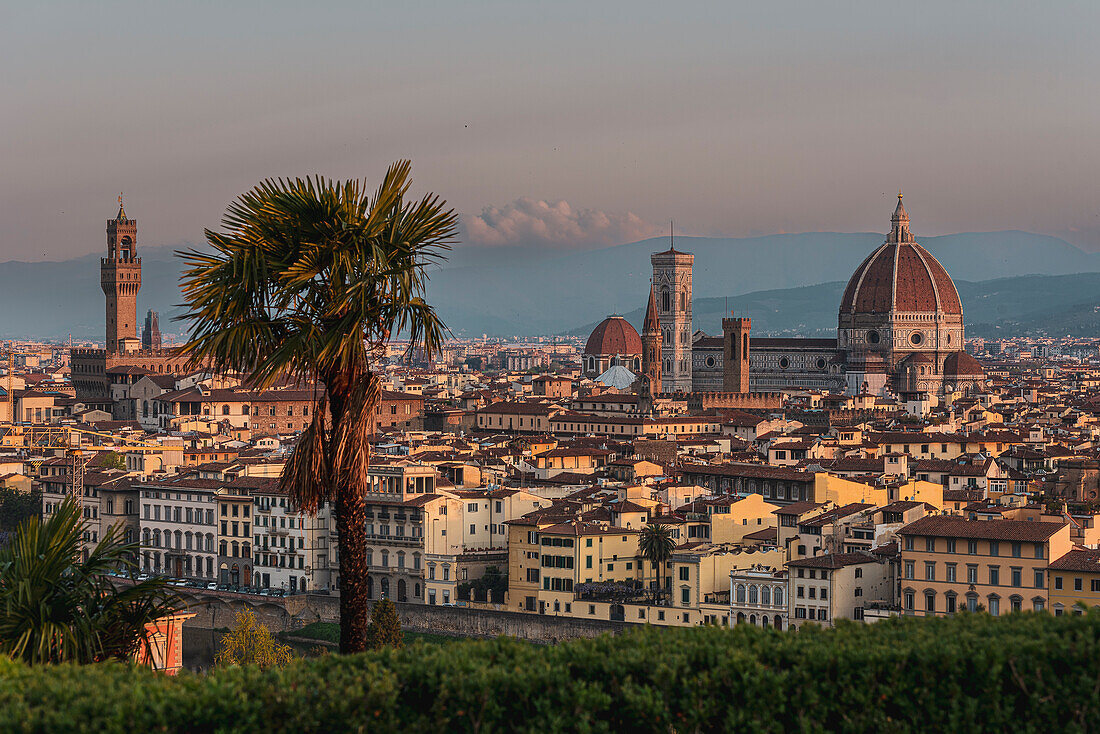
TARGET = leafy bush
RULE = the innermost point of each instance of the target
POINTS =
(972, 672)
(250, 643)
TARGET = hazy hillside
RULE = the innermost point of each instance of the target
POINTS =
(531, 292)
(1029, 304)
(526, 290)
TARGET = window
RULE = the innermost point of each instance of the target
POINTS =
(1017, 575)
(929, 571)
(685, 573)
(994, 575)
(1077, 583)
(1058, 582)
(971, 573)
(1039, 581)
(950, 571)
(994, 606)
(951, 602)
(930, 601)
(994, 548)
(909, 572)
(859, 573)
(685, 596)
(1017, 550)
(950, 545)
(909, 601)
(800, 592)
(1039, 550)
(930, 545)
(908, 542)
(972, 547)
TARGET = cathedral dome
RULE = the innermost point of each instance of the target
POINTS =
(614, 337)
(961, 364)
(900, 277)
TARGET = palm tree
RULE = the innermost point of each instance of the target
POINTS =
(308, 282)
(54, 609)
(656, 544)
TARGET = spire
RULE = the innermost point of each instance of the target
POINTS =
(899, 213)
(652, 321)
(671, 237)
(121, 212)
(899, 224)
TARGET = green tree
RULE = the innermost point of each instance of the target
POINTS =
(112, 460)
(55, 609)
(251, 643)
(309, 280)
(385, 628)
(655, 544)
(17, 506)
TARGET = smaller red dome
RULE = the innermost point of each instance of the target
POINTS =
(959, 364)
(614, 336)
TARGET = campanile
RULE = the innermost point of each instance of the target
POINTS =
(120, 279)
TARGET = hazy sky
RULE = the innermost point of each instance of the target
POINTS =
(571, 123)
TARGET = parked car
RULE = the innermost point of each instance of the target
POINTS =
(211, 586)
(143, 577)
(278, 592)
(223, 587)
(265, 592)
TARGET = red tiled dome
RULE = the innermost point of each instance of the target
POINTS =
(900, 276)
(614, 336)
(961, 364)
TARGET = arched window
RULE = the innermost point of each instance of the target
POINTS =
(222, 548)
(370, 557)
(740, 593)
(400, 559)
(225, 410)
(765, 597)
(666, 299)
(777, 593)
(236, 548)
(385, 558)
(209, 542)
(144, 408)
(753, 596)
(385, 587)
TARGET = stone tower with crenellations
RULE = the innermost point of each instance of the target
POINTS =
(120, 279)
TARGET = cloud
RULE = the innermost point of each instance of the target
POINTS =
(527, 221)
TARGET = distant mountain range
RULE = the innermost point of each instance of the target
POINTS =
(1045, 305)
(788, 283)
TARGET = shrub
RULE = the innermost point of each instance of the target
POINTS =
(250, 643)
(973, 672)
(384, 629)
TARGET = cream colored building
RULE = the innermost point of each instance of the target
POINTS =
(950, 563)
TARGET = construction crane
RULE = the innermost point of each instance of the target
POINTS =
(68, 438)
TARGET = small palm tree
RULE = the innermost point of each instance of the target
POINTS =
(309, 281)
(655, 545)
(55, 609)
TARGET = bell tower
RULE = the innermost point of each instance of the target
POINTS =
(650, 380)
(672, 270)
(120, 279)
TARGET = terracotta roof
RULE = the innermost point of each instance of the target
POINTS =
(1078, 559)
(941, 526)
(833, 561)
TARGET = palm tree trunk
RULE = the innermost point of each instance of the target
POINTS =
(354, 602)
(352, 538)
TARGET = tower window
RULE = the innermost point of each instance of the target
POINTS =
(666, 299)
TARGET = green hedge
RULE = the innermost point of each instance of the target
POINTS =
(1024, 672)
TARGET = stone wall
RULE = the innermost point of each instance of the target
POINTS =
(218, 609)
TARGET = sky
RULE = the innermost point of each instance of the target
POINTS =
(565, 124)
